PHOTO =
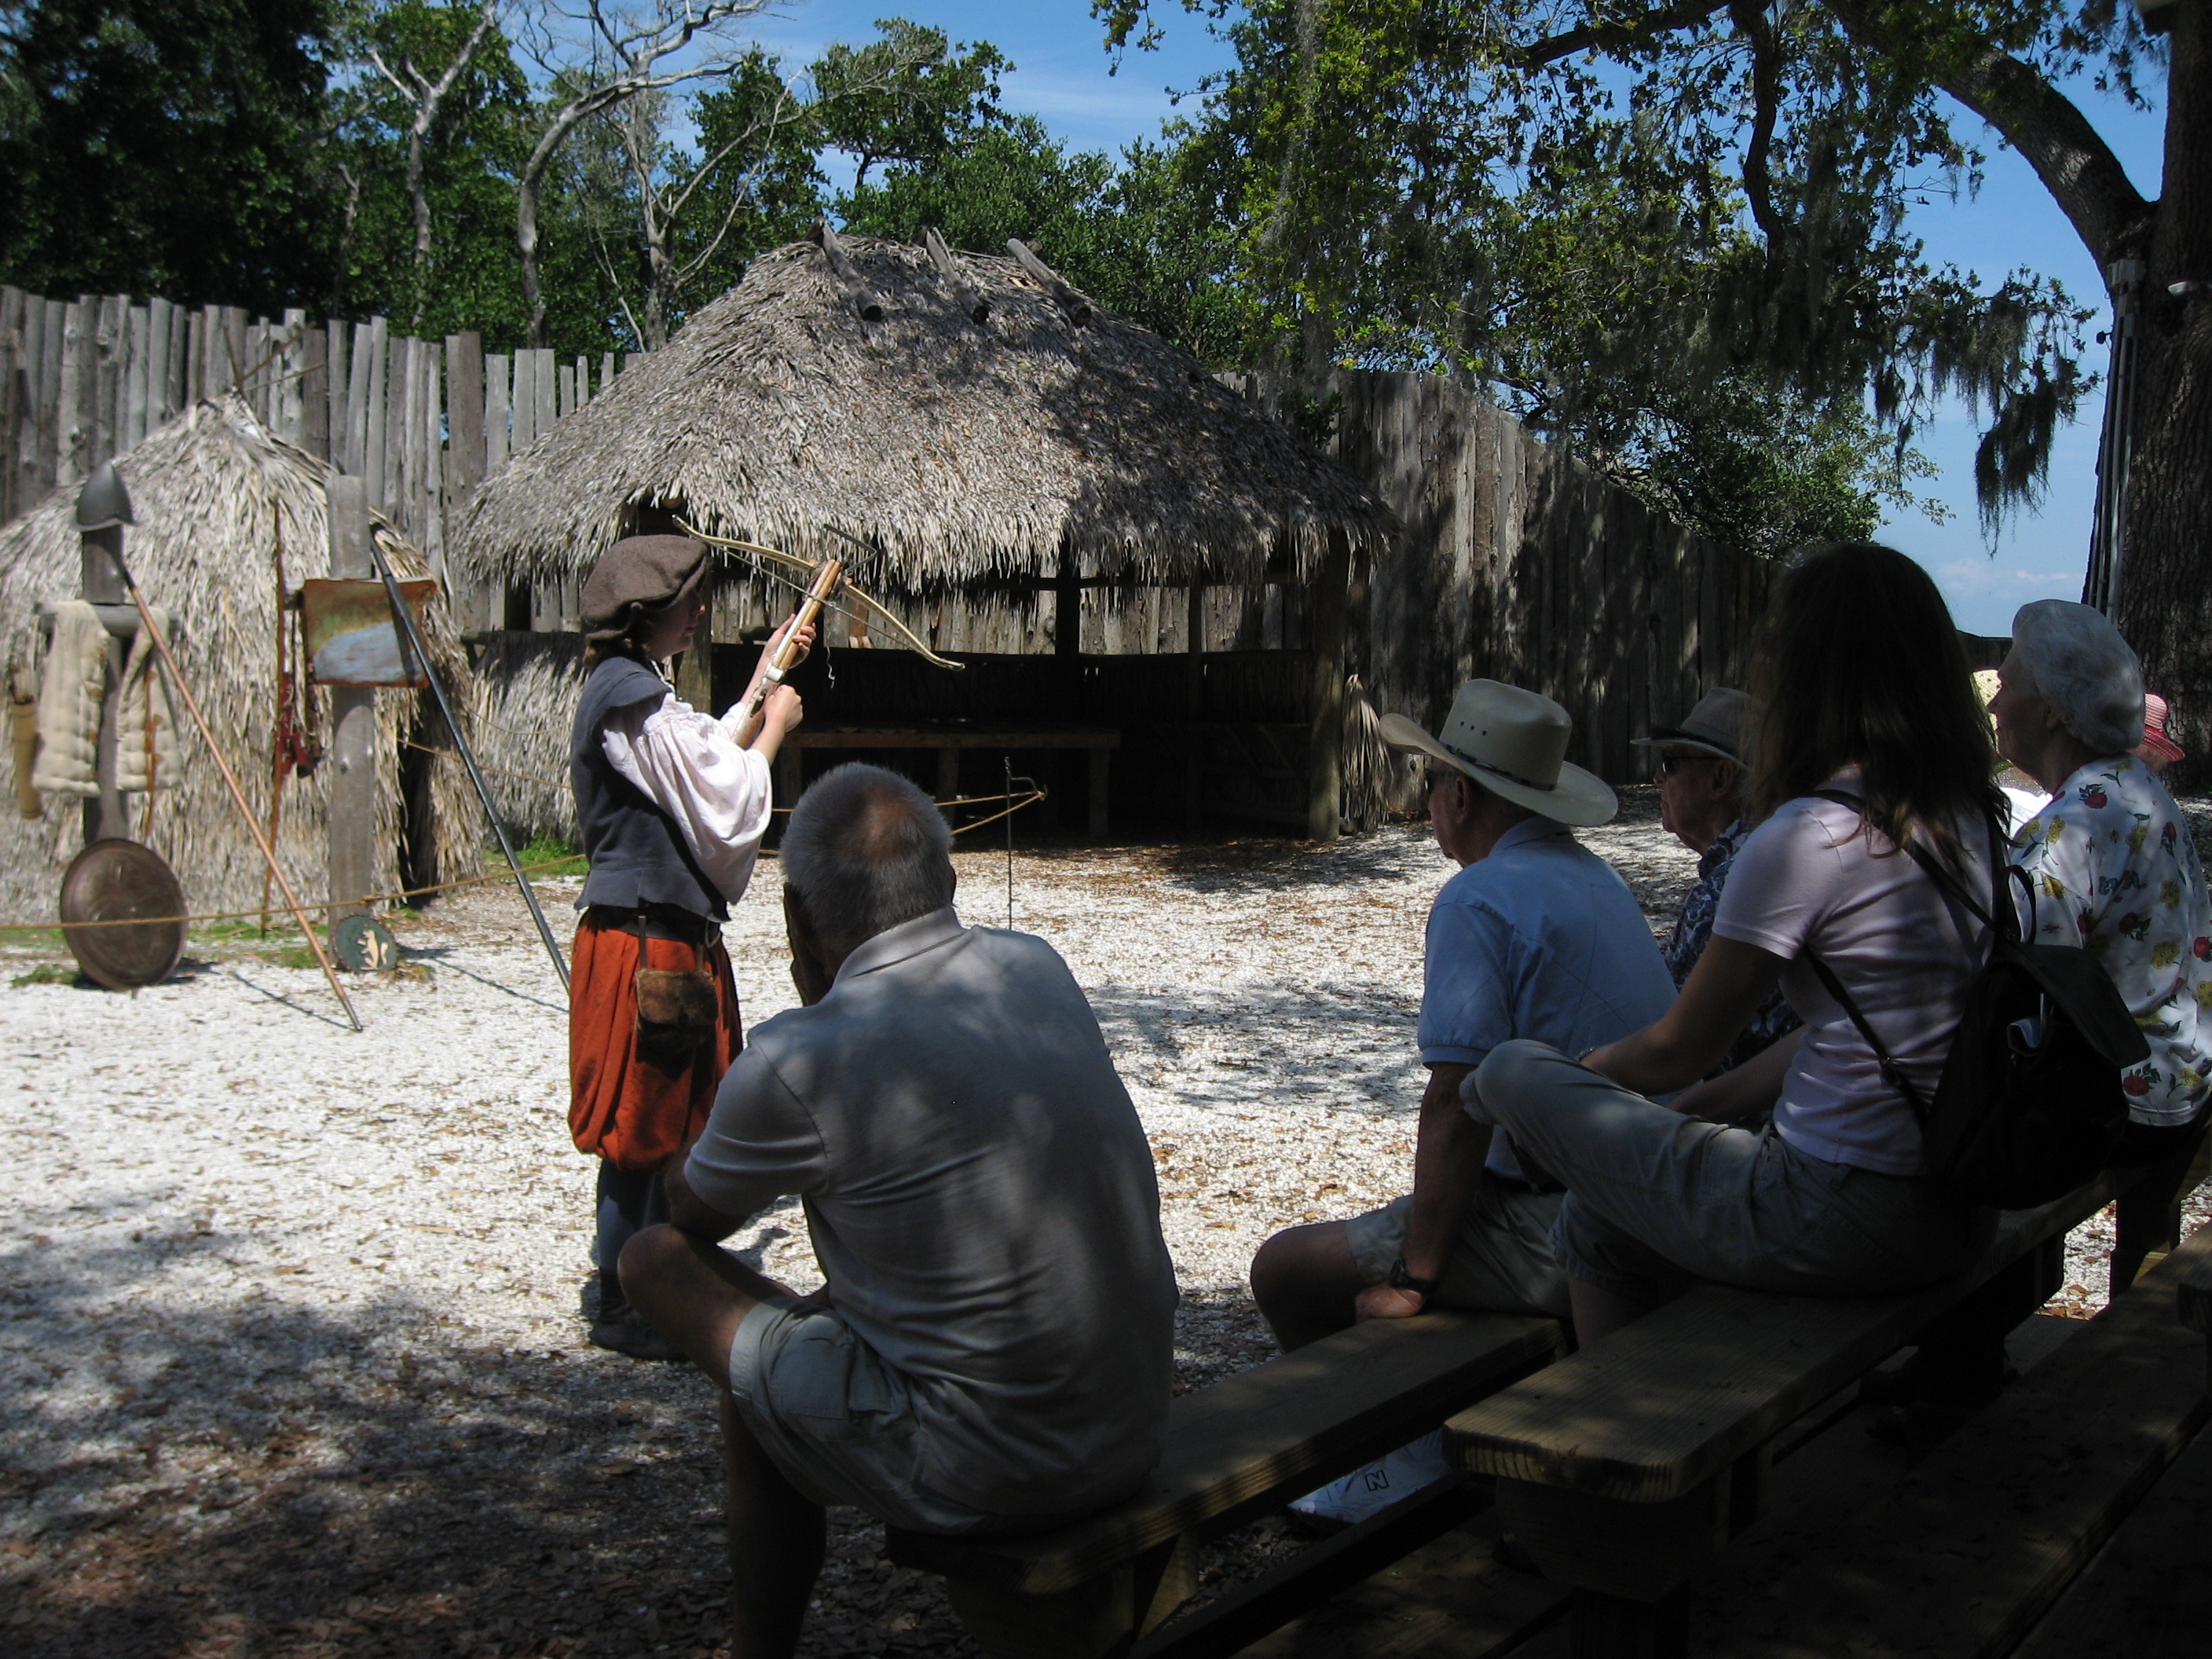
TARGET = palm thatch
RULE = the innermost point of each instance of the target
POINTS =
(211, 491)
(526, 689)
(957, 450)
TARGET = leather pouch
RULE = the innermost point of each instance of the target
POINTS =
(676, 1012)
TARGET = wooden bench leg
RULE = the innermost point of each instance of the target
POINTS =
(1962, 1360)
(1613, 1627)
(1094, 1620)
(948, 781)
(2147, 1224)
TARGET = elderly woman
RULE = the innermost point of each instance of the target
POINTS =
(2109, 857)
(671, 803)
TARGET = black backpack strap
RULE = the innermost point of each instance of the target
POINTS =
(1892, 1072)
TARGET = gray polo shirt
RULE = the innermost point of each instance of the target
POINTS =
(981, 1199)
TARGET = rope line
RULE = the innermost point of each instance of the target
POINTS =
(405, 893)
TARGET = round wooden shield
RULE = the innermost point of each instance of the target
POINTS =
(363, 945)
(117, 881)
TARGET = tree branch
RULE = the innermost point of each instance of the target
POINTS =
(1750, 19)
(2075, 163)
(1607, 37)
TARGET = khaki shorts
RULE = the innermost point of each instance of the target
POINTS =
(1502, 1261)
(837, 1420)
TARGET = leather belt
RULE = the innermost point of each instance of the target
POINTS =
(659, 921)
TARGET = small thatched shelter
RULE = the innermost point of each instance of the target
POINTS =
(1010, 467)
(211, 491)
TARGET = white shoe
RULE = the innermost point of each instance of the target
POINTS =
(1351, 1499)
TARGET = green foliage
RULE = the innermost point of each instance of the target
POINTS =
(1680, 249)
(165, 146)
(908, 98)
(48, 973)
(758, 177)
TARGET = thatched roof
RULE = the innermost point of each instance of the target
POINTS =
(963, 450)
(210, 491)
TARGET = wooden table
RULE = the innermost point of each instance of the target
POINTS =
(949, 741)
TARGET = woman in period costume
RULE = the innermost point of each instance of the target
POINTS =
(671, 803)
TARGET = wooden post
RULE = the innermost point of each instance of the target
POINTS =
(374, 460)
(1193, 762)
(1325, 744)
(694, 669)
(101, 579)
(158, 404)
(948, 781)
(314, 391)
(464, 455)
(353, 721)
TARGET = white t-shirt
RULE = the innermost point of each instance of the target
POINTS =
(1807, 880)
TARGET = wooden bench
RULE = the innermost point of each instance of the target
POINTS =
(949, 742)
(1628, 1467)
(1966, 1553)
(1237, 1449)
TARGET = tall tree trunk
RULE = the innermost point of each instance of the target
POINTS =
(525, 247)
(2165, 576)
(418, 194)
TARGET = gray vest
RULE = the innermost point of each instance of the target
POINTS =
(637, 853)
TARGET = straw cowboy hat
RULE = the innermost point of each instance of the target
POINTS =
(1713, 727)
(1513, 743)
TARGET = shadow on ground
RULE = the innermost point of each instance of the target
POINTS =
(263, 1480)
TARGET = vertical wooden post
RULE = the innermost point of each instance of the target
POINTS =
(372, 457)
(464, 455)
(357, 389)
(352, 757)
(1193, 762)
(314, 391)
(101, 579)
(12, 380)
(158, 404)
(136, 355)
(694, 669)
(337, 385)
(1325, 744)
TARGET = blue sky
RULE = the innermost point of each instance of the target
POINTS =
(1061, 77)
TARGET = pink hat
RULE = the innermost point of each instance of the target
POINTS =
(2155, 745)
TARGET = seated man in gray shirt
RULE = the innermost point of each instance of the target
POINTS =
(993, 1349)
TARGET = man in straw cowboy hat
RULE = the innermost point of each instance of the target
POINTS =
(1703, 786)
(1535, 934)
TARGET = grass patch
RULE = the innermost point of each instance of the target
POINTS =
(47, 973)
(545, 848)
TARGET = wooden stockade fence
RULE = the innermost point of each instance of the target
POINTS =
(1516, 562)
(422, 421)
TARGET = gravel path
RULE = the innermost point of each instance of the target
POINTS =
(290, 1325)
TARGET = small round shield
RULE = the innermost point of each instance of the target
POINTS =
(363, 946)
(122, 915)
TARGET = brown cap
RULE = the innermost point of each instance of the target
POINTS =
(640, 575)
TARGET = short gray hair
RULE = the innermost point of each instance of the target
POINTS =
(2084, 670)
(866, 850)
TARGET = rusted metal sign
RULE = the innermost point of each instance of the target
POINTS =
(351, 639)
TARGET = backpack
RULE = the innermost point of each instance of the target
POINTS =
(2029, 1106)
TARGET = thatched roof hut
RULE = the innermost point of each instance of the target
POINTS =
(211, 491)
(961, 450)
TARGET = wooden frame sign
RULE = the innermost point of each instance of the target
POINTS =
(351, 636)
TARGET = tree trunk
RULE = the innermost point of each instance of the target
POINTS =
(418, 194)
(525, 246)
(2166, 598)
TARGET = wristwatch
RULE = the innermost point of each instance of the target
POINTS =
(1400, 1279)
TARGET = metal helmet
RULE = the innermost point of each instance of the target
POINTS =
(103, 502)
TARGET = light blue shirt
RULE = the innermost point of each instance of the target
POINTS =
(1540, 939)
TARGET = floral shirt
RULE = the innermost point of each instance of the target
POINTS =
(1693, 928)
(2116, 874)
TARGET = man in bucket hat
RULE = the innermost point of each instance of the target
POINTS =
(1704, 786)
(1535, 936)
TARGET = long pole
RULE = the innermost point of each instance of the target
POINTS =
(405, 619)
(237, 794)
(817, 594)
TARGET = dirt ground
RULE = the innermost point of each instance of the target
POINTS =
(290, 1320)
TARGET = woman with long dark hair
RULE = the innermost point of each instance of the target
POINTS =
(1870, 741)
(671, 803)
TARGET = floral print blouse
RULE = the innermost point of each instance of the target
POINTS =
(2115, 872)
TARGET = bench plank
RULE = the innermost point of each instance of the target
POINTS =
(1248, 1441)
(2147, 1595)
(1649, 1414)
(1970, 1548)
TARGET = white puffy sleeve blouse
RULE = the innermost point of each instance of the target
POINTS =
(690, 765)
